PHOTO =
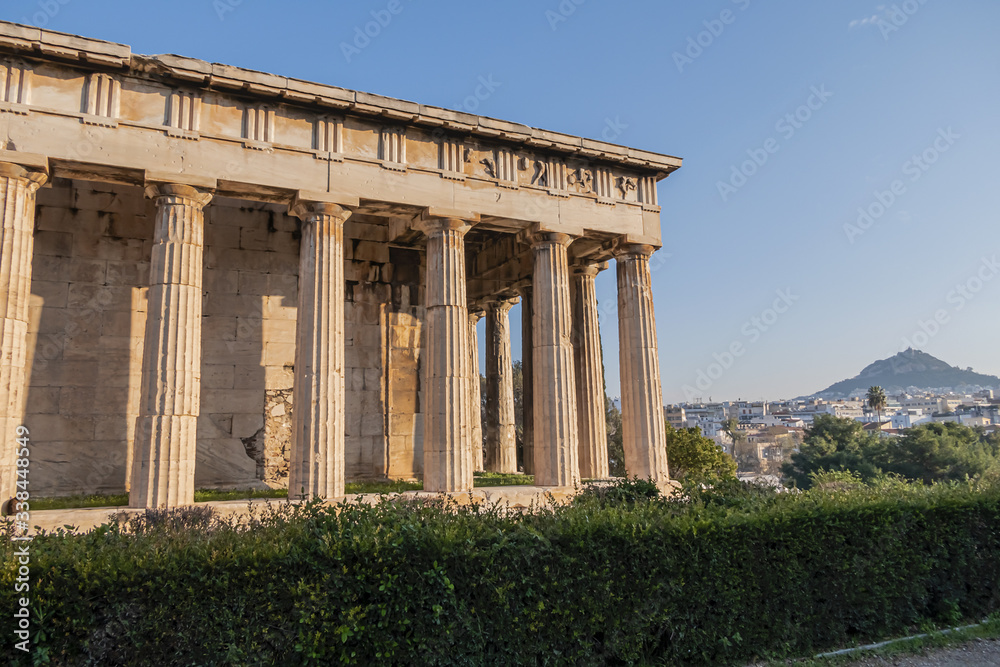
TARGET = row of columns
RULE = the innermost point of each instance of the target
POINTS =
(562, 362)
(562, 441)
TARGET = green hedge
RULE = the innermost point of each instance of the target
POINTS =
(719, 577)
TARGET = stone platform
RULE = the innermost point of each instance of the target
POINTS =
(516, 497)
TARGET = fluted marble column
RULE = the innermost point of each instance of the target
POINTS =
(589, 375)
(447, 430)
(170, 393)
(527, 384)
(501, 440)
(556, 430)
(643, 424)
(475, 396)
(316, 462)
(17, 220)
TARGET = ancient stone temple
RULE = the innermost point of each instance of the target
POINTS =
(215, 277)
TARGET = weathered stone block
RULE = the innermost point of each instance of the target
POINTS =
(215, 376)
(54, 294)
(88, 270)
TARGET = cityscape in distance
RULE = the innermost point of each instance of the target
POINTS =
(919, 388)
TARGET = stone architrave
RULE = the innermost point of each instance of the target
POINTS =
(475, 395)
(527, 384)
(447, 430)
(556, 431)
(501, 440)
(643, 422)
(18, 186)
(589, 375)
(316, 465)
(170, 393)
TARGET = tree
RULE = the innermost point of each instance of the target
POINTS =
(743, 451)
(876, 400)
(518, 382)
(731, 427)
(941, 451)
(691, 455)
(616, 447)
(834, 444)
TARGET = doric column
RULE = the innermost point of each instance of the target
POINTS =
(589, 375)
(316, 465)
(501, 441)
(447, 430)
(170, 393)
(643, 425)
(18, 186)
(475, 397)
(556, 429)
(527, 384)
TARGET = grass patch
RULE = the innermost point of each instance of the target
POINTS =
(934, 639)
(397, 486)
(78, 501)
(502, 479)
(211, 495)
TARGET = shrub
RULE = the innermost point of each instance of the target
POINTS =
(715, 576)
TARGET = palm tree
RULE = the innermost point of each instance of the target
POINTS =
(876, 400)
(743, 455)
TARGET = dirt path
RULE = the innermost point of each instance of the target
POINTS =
(976, 652)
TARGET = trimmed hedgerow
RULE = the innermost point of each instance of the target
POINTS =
(718, 576)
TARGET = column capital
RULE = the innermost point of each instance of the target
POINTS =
(35, 171)
(538, 238)
(502, 302)
(436, 220)
(476, 313)
(192, 195)
(590, 270)
(625, 249)
(306, 210)
(307, 203)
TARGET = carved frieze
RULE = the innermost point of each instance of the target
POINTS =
(625, 185)
(452, 161)
(15, 87)
(582, 179)
(184, 114)
(392, 147)
(506, 167)
(647, 191)
(328, 137)
(102, 99)
(258, 126)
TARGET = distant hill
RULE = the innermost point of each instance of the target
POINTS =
(911, 369)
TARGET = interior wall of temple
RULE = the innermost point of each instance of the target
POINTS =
(90, 272)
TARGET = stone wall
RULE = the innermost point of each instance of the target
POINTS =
(88, 307)
(88, 302)
(248, 342)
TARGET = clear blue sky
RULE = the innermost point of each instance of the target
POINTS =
(884, 86)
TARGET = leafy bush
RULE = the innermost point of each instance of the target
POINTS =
(693, 456)
(933, 452)
(715, 576)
